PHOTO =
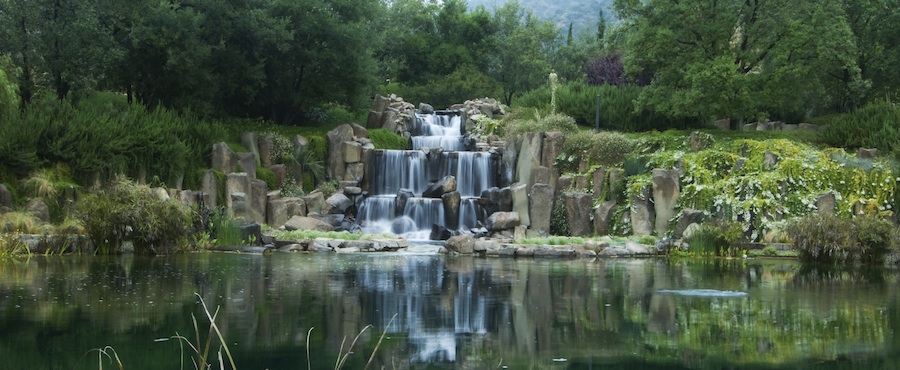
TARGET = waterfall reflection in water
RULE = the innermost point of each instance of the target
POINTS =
(454, 313)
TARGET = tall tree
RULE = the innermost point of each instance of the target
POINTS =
(522, 47)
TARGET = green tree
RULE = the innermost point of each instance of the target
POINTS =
(9, 97)
(522, 46)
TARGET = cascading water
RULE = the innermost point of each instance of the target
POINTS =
(400, 177)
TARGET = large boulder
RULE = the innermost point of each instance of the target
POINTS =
(826, 203)
(238, 183)
(307, 223)
(520, 203)
(502, 221)
(258, 200)
(38, 209)
(248, 164)
(314, 202)
(641, 214)
(337, 203)
(443, 186)
(688, 217)
(266, 145)
(598, 183)
(529, 155)
(402, 200)
(280, 210)
(224, 159)
(553, 146)
(541, 207)
(666, 189)
(508, 162)
(451, 203)
(578, 211)
(462, 244)
(603, 216)
(336, 138)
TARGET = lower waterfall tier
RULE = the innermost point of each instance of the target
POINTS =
(413, 218)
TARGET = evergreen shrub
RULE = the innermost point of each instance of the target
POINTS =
(829, 239)
(877, 125)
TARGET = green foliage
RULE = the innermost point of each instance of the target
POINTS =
(514, 126)
(225, 230)
(718, 238)
(598, 148)
(9, 97)
(877, 125)
(127, 212)
(618, 111)
(268, 176)
(386, 139)
(19, 223)
(828, 239)
(559, 220)
(328, 188)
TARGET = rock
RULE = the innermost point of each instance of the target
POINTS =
(358, 131)
(293, 247)
(485, 245)
(381, 103)
(223, 158)
(352, 151)
(770, 161)
(521, 203)
(490, 201)
(603, 216)
(389, 119)
(598, 182)
(240, 206)
(253, 233)
(502, 221)
(508, 160)
(352, 191)
(248, 164)
(451, 203)
(444, 186)
(314, 202)
(38, 209)
(540, 175)
(553, 146)
(556, 251)
(355, 172)
(596, 246)
(426, 108)
(525, 250)
(578, 211)
(540, 207)
(336, 165)
(439, 232)
(519, 232)
(826, 203)
(337, 203)
(666, 189)
(808, 126)
(506, 200)
(280, 172)
(375, 119)
(6, 199)
(638, 249)
(749, 127)
(257, 198)
(564, 184)
(864, 153)
(763, 126)
(529, 155)
(250, 141)
(615, 252)
(266, 144)
(790, 127)
(723, 124)
(403, 197)
(403, 224)
(307, 223)
(279, 211)
(641, 215)
(688, 217)
(690, 230)
(238, 183)
(462, 244)
(739, 165)
(501, 250)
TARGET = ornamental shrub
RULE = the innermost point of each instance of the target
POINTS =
(383, 138)
(828, 239)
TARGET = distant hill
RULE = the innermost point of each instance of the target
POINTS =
(581, 13)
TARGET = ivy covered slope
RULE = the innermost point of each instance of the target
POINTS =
(761, 182)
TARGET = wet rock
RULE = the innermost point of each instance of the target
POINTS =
(506, 200)
(637, 249)
(462, 244)
(404, 224)
(439, 232)
(444, 186)
(508, 161)
(403, 197)
(502, 221)
(426, 108)
(615, 252)
(451, 202)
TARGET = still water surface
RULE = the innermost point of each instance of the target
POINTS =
(448, 313)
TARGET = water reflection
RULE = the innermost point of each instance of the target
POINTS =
(459, 313)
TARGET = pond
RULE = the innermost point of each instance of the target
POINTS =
(442, 312)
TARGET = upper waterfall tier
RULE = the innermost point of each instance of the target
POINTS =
(439, 131)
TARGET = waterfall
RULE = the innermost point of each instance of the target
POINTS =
(399, 178)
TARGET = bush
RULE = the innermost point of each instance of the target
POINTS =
(125, 211)
(383, 138)
(877, 125)
(559, 220)
(553, 122)
(600, 148)
(717, 238)
(829, 239)
(268, 176)
(19, 223)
